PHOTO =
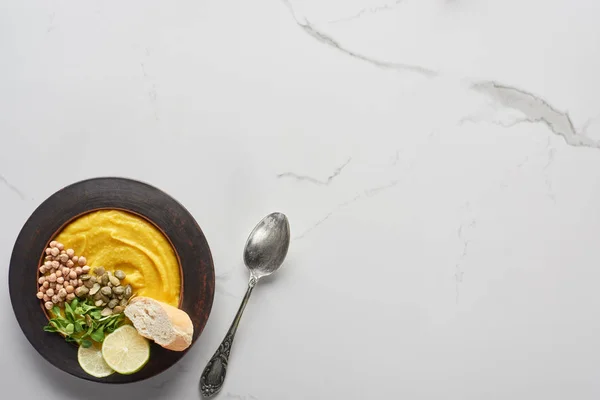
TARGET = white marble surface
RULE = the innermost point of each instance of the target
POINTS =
(439, 161)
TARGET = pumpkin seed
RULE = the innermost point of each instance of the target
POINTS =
(99, 271)
(95, 289)
(120, 274)
(119, 290)
(113, 303)
(114, 280)
(106, 312)
(106, 290)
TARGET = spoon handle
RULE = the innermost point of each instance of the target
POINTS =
(213, 376)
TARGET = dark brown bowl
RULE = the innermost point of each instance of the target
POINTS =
(178, 225)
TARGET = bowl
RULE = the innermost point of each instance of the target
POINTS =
(73, 201)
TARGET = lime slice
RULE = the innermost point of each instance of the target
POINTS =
(91, 361)
(125, 350)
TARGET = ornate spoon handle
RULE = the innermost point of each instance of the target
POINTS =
(213, 376)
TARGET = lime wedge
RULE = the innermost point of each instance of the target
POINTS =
(125, 350)
(91, 361)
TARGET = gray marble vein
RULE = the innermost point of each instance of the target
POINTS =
(327, 216)
(329, 41)
(368, 11)
(535, 110)
(12, 187)
(236, 396)
(376, 190)
(366, 193)
(470, 224)
(316, 181)
(548, 180)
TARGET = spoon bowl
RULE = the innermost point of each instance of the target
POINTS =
(267, 245)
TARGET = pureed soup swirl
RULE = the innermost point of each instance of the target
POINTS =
(118, 240)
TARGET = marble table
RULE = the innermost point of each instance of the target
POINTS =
(439, 161)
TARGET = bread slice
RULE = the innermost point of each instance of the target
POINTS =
(168, 326)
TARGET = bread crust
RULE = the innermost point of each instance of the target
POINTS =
(179, 323)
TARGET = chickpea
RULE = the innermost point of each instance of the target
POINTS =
(79, 282)
(70, 252)
(46, 298)
(58, 273)
(48, 305)
(46, 285)
(64, 258)
(58, 287)
(73, 282)
(70, 289)
(70, 297)
(55, 299)
(73, 275)
(42, 290)
(60, 246)
(75, 259)
(79, 270)
(52, 285)
(48, 258)
(55, 264)
(85, 269)
(81, 261)
(54, 251)
(62, 293)
(53, 243)
(70, 264)
(52, 278)
(50, 292)
(48, 264)
(60, 280)
(39, 295)
(66, 271)
(41, 280)
(43, 269)
(48, 251)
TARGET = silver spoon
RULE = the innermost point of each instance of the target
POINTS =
(264, 253)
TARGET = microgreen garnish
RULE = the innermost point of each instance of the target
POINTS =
(82, 322)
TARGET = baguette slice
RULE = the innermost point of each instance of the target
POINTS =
(168, 326)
